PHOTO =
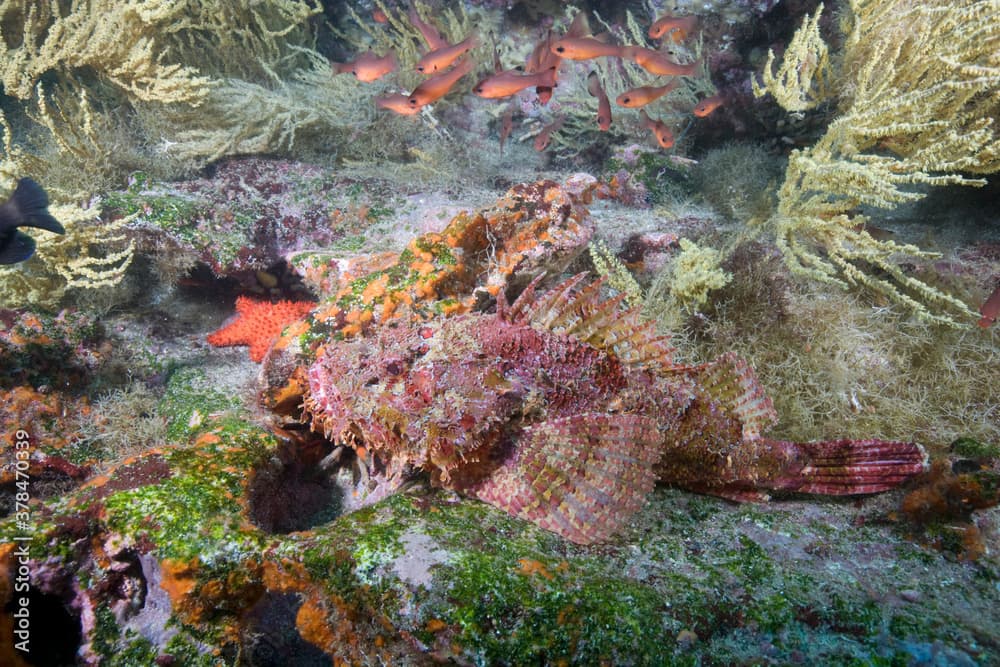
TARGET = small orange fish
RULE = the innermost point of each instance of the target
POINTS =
(534, 62)
(542, 58)
(639, 97)
(437, 86)
(603, 105)
(439, 59)
(585, 48)
(678, 26)
(990, 309)
(431, 35)
(663, 135)
(379, 16)
(368, 66)
(655, 62)
(506, 125)
(708, 105)
(543, 138)
(511, 81)
(398, 103)
(548, 59)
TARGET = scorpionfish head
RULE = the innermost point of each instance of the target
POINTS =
(421, 395)
(356, 389)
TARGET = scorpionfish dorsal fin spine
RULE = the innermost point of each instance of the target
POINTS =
(600, 323)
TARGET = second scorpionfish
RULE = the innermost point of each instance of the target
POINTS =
(565, 409)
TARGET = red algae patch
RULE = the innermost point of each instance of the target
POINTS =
(149, 469)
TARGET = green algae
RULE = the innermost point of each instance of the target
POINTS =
(750, 562)
(222, 232)
(110, 640)
(554, 598)
(399, 277)
(515, 594)
(444, 306)
(172, 213)
(125, 648)
(515, 600)
(316, 333)
(438, 249)
(377, 536)
(185, 652)
(351, 243)
(974, 449)
(189, 401)
(168, 212)
(185, 514)
(192, 512)
(751, 582)
(662, 177)
(575, 615)
(379, 213)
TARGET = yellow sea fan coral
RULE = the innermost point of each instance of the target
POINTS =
(122, 79)
(616, 273)
(696, 272)
(117, 40)
(247, 117)
(92, 253)
(918, 89)
(801, 81)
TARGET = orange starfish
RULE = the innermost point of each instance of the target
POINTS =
(258, 324)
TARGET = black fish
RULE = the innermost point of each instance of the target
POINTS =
(27, 207)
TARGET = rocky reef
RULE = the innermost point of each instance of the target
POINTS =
(231, 547)
(243, 539)
(340, 361)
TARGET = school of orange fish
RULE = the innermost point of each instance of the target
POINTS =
(541, 71)
(446, 64)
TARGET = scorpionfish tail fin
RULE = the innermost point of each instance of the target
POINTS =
(602, 323)
(845, 467)
(732, 384)
(580, 476)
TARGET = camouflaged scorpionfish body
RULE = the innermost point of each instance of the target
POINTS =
(565, 409)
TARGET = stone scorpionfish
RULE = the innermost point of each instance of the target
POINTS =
(565, 409)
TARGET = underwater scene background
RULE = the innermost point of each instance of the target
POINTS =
(499, 333)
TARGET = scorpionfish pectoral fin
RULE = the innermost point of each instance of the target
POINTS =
(715, 446)
(580, 476)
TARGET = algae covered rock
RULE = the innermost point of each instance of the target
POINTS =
(238, 545)
(235, 548)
